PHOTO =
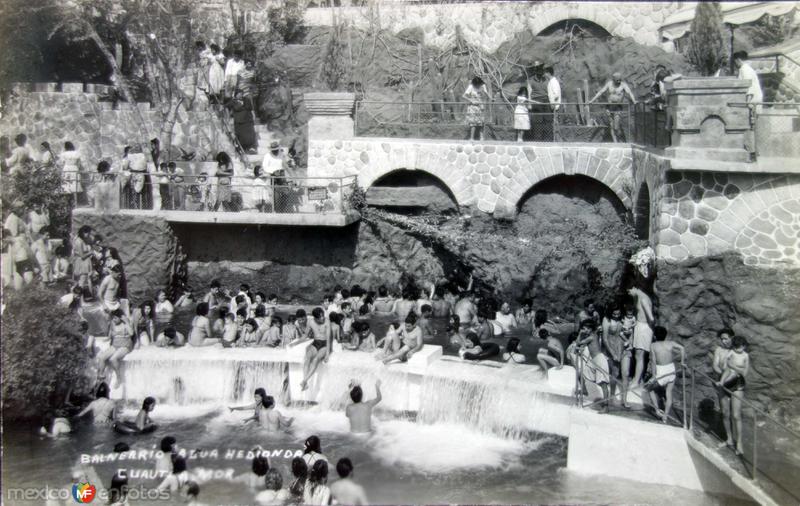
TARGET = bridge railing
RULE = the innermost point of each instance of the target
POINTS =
(776, 128)
(769, 452)
(210, 193)
(572, 122)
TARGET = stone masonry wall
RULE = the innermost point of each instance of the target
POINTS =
(99, 131)
(493, 176)
(486, 25)
(703, 214)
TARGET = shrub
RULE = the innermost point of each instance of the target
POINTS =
(42, 352)
(34, 186)
(707, 49)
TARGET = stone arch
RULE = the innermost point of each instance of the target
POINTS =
(618, 204)
(397, 176)
(591, 27)
(642, 212)
(578, 12)
(613, 170)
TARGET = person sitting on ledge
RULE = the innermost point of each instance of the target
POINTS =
(412, 340)
(390, 343)
(320, 348)
(476, 350)
(250, 334)
(512, 354)
(273, 335)
(546, 354)
(170, 337)
(363, 339)
(120, 332)
(200, 334)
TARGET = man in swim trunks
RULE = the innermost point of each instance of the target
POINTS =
(441, 307)
(718, 363)
(412, 341)
(466, 309)
(595, 367)
(617, 90)
(662, 367)
(733, 377)
(642, 332)
(360, 413)
(320, 347)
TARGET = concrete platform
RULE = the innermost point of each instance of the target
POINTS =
(241, 218)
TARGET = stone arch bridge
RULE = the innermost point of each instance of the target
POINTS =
(494, 176)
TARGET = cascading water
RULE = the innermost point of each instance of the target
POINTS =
(186, 382)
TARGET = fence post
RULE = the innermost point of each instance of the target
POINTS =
(630, 121)
(691, 404)
(755, 445)
(683, 396)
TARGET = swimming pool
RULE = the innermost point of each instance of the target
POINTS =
(403, 462)
(478, 434)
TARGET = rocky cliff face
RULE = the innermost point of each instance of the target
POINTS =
(698, 297)
(148, 248)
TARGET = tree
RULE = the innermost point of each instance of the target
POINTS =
(707, 49)
(34, 186)
(43, 354)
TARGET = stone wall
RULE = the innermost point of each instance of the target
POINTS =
(494, 176)
(147, 245)
(698, 297)
(486, 25)
(99, 131)
(705, 213)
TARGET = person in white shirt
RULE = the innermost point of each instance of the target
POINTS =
(232, 69)
(20, 155)
(754, 96)
(553, 95)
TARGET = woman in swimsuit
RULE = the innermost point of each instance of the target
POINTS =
(260, 403)
(201, 335)
(547, 353)
(144, 324)
(103, 409)
(320, 348)
(121, 334)
(512, 354)
(456, 337)
(143, 420)
(733, 380)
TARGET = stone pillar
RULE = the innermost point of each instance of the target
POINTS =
(331, 116)
(704, 127)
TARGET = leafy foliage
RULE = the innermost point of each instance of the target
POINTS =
(334, 69)
(34, 186)
(286, 21)
(707, 49)
(42, 352)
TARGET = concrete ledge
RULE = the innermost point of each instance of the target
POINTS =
(216, 353)
(243, 218)
(764, 165)
(642, 451)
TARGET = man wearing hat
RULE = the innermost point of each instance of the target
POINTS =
(616, 88)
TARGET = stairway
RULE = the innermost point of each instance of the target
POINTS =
(264, 139)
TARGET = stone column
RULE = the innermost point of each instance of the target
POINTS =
(704, 127)
(331, 116)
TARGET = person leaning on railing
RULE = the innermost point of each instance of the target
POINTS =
(617, 90)
(224, 175)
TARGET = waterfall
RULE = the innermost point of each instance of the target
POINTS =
(185, 382)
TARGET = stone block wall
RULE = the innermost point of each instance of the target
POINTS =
(704, 213)
(99, 131)
(494, 176)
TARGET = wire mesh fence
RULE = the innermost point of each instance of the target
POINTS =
(164, 192)
(570, 122)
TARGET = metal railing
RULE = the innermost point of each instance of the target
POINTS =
(770, 453)
(651, 126)
(572, 122)
(776, 128)
(201, 193)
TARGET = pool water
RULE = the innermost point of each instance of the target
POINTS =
(403, 462)
(445, 454)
